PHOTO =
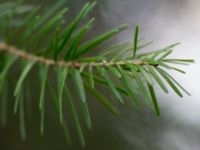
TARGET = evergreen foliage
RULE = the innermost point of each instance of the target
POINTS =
(33, 38)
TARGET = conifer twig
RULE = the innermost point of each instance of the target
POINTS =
(42, 60)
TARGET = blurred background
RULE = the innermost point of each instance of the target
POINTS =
(165, 22)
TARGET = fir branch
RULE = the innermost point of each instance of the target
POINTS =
(119, 69)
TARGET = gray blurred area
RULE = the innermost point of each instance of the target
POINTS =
(164, 22)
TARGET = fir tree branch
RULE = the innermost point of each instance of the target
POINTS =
(56, 43)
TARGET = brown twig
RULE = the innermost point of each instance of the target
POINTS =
(42, 60)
